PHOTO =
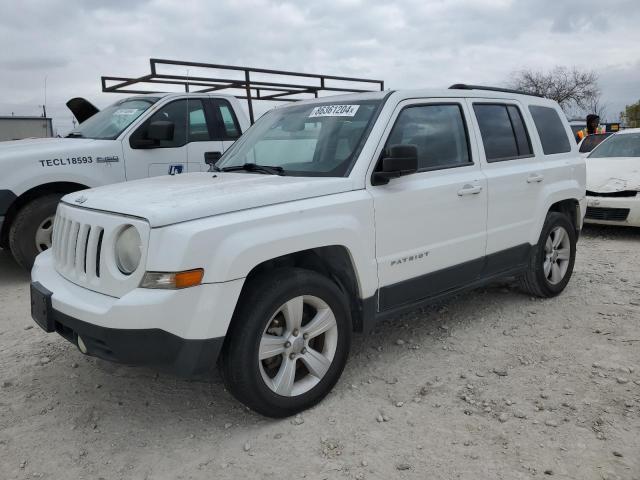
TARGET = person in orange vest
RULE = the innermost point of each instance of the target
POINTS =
(593, 126)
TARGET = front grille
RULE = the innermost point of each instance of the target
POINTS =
(623, 193)
(610, 214)
(76, 247)
(83, 249)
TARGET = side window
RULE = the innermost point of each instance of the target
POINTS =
(198, 130)
(520, 131)
(175, 112)
(229, 127)
(503, 131)
(552, 134)
(439, 133)
(189, 120)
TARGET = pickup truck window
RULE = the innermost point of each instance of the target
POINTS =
(109, 123)
(306, 140)
(189, 119)
(229, 122)
(504, 134)
(438, 131)
(551, 130)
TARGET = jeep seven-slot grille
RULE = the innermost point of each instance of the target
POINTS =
(76, 247)
(610, 214)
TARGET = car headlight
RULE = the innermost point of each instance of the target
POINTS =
(128, 250)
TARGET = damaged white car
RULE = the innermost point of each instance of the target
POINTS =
(613, 180)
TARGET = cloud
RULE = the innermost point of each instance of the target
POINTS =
(409, 43)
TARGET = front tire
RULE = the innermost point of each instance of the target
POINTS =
(32, 229)
(288, 342)
(551, 265)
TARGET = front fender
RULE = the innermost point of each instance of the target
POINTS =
(229, 246)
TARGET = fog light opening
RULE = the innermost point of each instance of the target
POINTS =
(81, 346)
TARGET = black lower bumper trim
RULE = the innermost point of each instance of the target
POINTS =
(151, 347)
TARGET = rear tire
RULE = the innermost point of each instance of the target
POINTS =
(551, 264)
(32, 227)
(288, 342)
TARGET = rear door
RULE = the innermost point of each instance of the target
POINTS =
(513, 176)
(431, 225)
(218, 134)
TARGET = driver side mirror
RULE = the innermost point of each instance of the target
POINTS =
(161, 130)
(158, 131)
(402, 160)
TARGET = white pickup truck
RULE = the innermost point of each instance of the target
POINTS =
(137, 137)
(325, 217)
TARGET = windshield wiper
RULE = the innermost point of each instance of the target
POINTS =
(74, 135)
(252, 167)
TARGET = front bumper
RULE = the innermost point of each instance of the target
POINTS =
(178, 330)
(152, 347)
(613, 210)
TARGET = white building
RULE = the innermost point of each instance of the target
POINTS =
(18, 127)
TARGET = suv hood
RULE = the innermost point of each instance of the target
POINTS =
(166, 200)
(613, 174)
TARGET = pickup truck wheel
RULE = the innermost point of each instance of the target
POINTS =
(32, 229)
(288, 343)
(552, 263)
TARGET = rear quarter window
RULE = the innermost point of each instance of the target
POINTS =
(551, 131)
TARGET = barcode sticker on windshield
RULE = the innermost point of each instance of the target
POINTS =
(334, 111)
(126, 111)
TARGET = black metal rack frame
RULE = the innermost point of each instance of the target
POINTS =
(252, 88)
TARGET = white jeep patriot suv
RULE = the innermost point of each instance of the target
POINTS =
(325, 217)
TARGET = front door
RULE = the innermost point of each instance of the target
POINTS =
(431, 225)
(191, 138)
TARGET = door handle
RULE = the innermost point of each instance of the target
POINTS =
(469, 189)
(535, 178)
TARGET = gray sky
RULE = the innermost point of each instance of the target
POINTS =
(409, 44)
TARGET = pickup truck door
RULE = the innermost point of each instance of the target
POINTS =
(193, 127)
(223, 129)
(430, 225)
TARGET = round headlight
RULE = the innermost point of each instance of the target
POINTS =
(128, 249)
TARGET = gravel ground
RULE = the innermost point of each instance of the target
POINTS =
(492, 384)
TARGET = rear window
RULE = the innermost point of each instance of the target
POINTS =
(551, 130)
(504, 134)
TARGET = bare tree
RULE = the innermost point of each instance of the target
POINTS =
(573, 89)
(597, 106)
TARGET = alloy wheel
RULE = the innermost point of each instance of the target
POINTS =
(557, 254)
(298, 346)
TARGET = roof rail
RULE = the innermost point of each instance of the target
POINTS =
(464, 86)
(251, 81)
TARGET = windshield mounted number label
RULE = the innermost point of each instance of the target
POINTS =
(334, 111)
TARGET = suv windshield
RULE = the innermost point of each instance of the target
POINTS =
(107, 124)
(315, 140)
(620, 145)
